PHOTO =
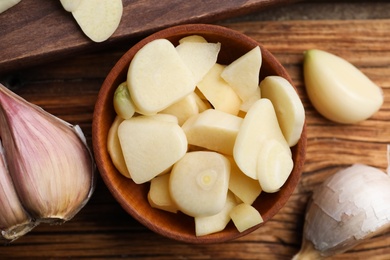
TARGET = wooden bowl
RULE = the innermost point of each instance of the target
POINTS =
(133, 197)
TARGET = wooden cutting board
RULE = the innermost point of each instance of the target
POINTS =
(34, 32)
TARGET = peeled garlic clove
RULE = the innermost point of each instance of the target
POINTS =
(48, 160)
(193, 38)
(274, 165)
(158, 77)
(218, 92)
(288, 106)
(14, 220)
(338, 90)
(245, 216)
(215, 223)
(123, 105)
(243, 73)
(114, 148)
(199, 57)
(199, 183)
(348, 207)
(260, 124)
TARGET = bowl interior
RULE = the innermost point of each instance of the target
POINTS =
(133, 197)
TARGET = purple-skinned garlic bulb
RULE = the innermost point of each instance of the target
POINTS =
(48, 172)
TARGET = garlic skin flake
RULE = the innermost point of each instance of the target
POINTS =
(350, 206)
(50, 165)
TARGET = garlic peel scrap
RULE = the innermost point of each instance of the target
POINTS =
(51, 167)
(348, 207)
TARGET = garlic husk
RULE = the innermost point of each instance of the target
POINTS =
(50, 164)
(14, 220)
(350, 206)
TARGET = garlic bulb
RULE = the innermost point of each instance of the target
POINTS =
(14, 220)
(48, 172)
(349, 206)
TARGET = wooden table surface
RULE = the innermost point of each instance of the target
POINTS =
(68, 88)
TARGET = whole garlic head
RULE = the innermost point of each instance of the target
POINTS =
(47, 170)
(350, 206)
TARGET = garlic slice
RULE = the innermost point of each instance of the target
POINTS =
(50, 164)
(98, 19)
(349, 206)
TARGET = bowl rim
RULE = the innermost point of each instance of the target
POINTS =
(101, 155)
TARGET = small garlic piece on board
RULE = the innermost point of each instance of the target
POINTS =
(7, 4)
(48, 159)
(98, 19)
(348, 207)
(70, 5)
(338, 90)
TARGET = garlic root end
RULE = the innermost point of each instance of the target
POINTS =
(307, 251)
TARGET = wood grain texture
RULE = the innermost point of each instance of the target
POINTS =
(103, 230)
(34, 33)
